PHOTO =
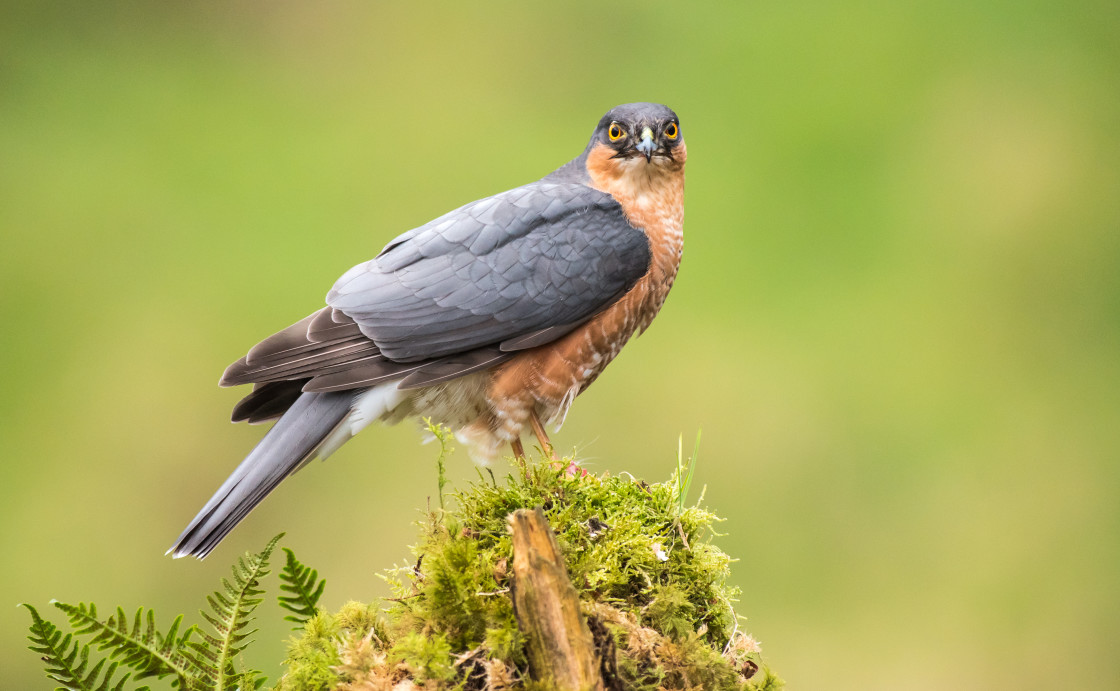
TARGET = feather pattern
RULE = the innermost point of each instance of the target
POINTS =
(513, 271)
(494, 270)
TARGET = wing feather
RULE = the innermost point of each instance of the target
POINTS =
(454, 296)
(495, 270)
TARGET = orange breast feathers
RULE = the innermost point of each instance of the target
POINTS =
(549, 377)
(651, 196)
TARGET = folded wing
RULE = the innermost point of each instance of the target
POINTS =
(458, 294)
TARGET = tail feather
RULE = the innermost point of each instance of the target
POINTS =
(291, 442)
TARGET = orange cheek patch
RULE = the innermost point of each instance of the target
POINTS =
(680, 153)
(601, 164)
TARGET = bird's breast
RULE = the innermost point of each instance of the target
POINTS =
(549, 377)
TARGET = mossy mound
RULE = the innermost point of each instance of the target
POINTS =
(651, 584)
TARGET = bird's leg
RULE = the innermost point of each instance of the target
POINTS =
(542, 436)
(572, 470)
(519, 455)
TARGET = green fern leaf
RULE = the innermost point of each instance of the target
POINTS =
(140, 646)
(305, 587)
(67, 661)
(231, 612)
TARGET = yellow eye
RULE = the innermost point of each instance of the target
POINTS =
(671, 130)
(615, 132)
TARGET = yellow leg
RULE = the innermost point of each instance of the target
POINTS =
(518, 449)
(542, 436)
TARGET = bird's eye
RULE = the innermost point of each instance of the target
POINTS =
(615, 132)
(671, 130)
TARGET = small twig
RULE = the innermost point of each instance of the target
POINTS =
(684, 538)
(460, 659)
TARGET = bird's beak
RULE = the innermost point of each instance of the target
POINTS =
(647, 145)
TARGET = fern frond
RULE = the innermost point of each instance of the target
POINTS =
(140, 646)
(67, 661)
(231, 612)
(305, 587)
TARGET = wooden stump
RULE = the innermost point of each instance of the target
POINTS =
(561, 650)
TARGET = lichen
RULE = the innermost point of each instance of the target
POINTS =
(652, 585)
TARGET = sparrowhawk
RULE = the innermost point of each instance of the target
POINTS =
(490, 319)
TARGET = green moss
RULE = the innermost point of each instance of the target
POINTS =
(426, 656)
(652, 584)
(314, 656)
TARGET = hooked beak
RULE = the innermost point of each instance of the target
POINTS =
(647, 145)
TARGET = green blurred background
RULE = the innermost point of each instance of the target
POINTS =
(897, 322)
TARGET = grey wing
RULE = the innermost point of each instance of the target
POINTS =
(456, 295)
(514, 270)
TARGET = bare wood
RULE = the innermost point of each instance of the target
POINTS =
(561, 650)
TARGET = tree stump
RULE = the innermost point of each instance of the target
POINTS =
(559, 643)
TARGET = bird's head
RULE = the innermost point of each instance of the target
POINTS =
(637, 140)
(640, 130)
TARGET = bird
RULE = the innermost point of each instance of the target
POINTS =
(489, 320)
